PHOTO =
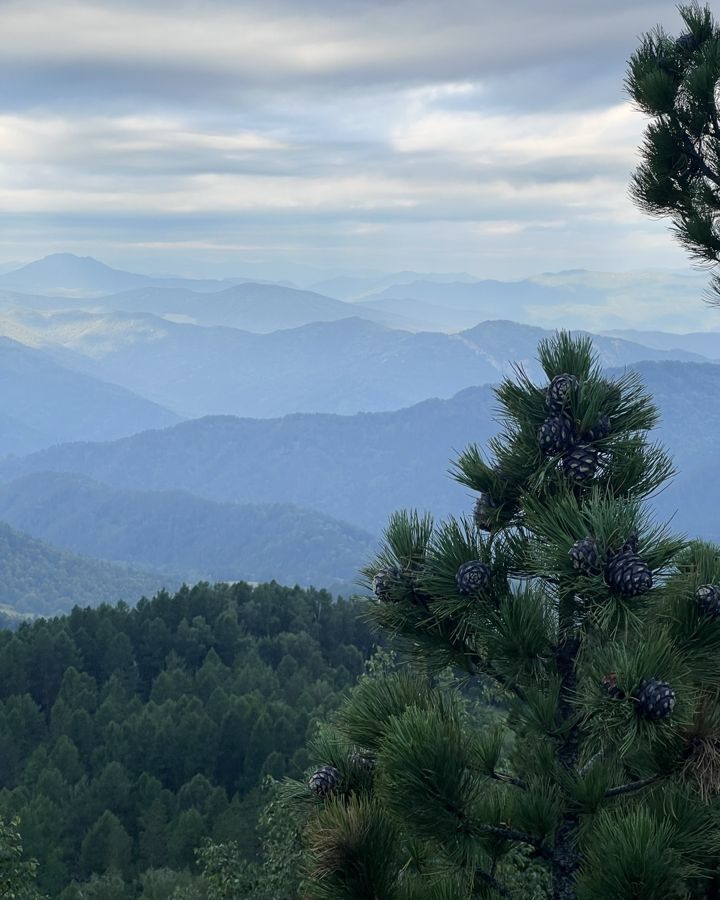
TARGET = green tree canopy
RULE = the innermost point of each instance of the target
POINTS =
(674, 80)
(598, 628)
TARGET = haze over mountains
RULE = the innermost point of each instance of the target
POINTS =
(311, 417)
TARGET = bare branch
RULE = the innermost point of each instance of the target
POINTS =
(596, 757)
(509, 779)
(631, 786)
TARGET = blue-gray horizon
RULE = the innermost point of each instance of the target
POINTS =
(198, 138)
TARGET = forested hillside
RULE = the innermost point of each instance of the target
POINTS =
(129, 735)
(38, 579)
(175, 532)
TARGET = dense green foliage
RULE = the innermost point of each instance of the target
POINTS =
(177, 533)
(17, 874)
(675, 81)
(38, 579)
(602, 630)
(129, 736)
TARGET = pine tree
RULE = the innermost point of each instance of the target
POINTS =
(675, 82)
(599, 630)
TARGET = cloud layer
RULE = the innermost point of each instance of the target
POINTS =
(489, 137)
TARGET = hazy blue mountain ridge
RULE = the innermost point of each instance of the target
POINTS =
(343, 366)
(360, 468)
(180, 533)
(66, 274)
(706, 343)
(249, 306)
(43, 402)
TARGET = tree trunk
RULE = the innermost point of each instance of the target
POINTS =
(566, 857)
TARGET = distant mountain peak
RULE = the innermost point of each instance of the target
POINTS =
(69, 262)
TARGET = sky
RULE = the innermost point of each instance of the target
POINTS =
(326, 136)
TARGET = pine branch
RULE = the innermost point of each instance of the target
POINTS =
(697, 158)
(631, 786)
(489, 879)
(596, 757)
(509, 779)
(512, 834)
(482, 668)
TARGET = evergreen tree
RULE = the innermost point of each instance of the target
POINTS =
(597, 627)
(675, 82)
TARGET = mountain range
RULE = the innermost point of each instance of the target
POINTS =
(343, 366)
(360, 468)
(308, 418)
(71, 276)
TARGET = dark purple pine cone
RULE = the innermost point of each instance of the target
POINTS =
(656, 699)
(707, 597)
(580, 463)
(472, 577)
(324, 781)
(556, 434)
(559, 391)
(628, 574)
(586, 557)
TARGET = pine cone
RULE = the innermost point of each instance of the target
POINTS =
(556, 434)
(707, 597)
(601, 429)
(580, 463)
(483, 511)
(610, 684)
(472, 577)
(627, 574)
(385, 584)
(687, 43)
(656, 699)
(559, 391)
(586, 557)
(324, 781)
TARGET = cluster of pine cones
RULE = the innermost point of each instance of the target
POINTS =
(558, 434)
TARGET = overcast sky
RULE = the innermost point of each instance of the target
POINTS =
(462, 135)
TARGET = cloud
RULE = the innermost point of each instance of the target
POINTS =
(398, 130)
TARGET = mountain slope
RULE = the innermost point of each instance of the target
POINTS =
(177, 532)
(345, 366)
(706, 343)
(572, 299)
(360, 468)
(50, 403)
(349, 287)
(250, 306)
(67, 274)
(38, 579)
